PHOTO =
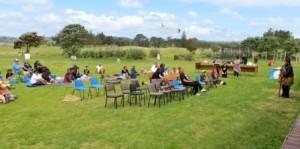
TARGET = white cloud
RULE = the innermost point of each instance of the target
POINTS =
(231, 13)
(247, 3)
(270, 22)
(131, 3)
(34, 5)
(192, 13)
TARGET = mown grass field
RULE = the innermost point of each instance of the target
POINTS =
(246, 113)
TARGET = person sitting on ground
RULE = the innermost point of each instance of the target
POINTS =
(37, 79)
(45, 72)
(37, 65)
(75, 72)
(133, 73)
(100, 70)
(237, 66)
(27, 67)
(188, 82)
(9, 75)
(125, 73)
(5, 94)
(224, 68)
(17, 68)
(68, 76)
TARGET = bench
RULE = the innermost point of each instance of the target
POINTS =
(244, 68)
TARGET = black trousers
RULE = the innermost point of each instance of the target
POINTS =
(285, 91)
(196, 86)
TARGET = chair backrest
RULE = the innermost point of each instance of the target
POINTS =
(152, 88)
(133, 88)
(78, 83)
(175, 83)
(124, 86)
(136, 82)
(94, 81)
(109, 88)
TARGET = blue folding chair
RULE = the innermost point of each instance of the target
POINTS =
(95, 84)
(176, 85)
(79, 86)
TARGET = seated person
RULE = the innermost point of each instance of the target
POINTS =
(224, 68)
(173, 75)
(100, 70)
(5, 94)
(159, 73)
(37, 79)
(17, 68)
(125, 73)
(215, 75)
(27, 67)
(9, 75)
(133, 73)
(202, 79)
(36, 65)
(86, 74)
(188, 82)
(68, 76)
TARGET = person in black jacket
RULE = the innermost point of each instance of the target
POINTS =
(188, 82)
(286, 78)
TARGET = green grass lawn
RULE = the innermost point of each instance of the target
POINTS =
(246, 113)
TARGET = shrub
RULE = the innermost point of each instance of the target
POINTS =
(136, 54)
(187, 57)
(154, 52)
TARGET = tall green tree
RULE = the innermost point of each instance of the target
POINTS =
(72, 38)
(28, 40)
(191, 45)
(141, 40)
(183, 40)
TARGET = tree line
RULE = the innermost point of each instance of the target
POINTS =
(75, 36)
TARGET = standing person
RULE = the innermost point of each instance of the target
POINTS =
(286, 78)
(188, 82)
(255, 59)
(236, 66)
(244, 59)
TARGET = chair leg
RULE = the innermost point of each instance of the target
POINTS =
(105, 102)
(123, 101)
(73, 92)
(149, 101)
(159, 99)
(116, 103)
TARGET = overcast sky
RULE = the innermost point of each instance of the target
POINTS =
(218, 20)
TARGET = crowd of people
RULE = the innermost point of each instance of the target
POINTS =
(41, 75)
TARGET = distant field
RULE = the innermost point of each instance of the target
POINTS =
(246, 113)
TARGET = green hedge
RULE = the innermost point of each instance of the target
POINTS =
(117, 53)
